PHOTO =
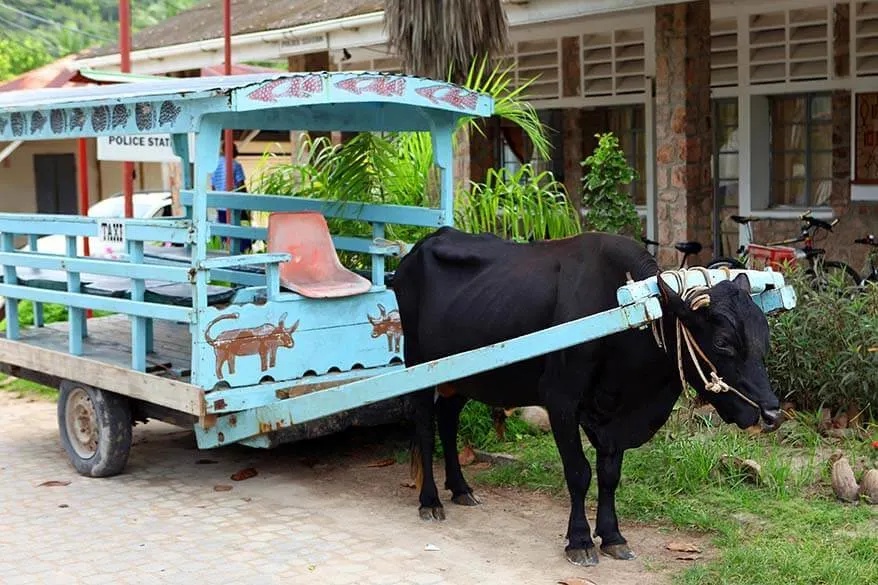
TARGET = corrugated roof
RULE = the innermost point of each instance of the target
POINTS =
(204, 21)
(59, 73)
(158, 88)
(237, 69)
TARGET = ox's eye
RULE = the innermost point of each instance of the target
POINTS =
(724, 345)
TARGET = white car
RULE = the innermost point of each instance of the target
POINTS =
(147, 205)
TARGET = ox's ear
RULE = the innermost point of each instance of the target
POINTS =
(671, 301)
(743, 283)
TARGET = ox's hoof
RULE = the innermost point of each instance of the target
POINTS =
(621, 552)
(431, 513)
(583, 557)
(466, 500)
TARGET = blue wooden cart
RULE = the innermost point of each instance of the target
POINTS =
(243, 347)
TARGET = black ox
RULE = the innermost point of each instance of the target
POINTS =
(458, 292)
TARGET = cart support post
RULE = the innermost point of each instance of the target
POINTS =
(139, 343)
(38, 307)
(75, 315)
(206, 148)
(377, 259)
(443, 154)
(7, 244)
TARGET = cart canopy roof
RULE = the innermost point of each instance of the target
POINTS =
(349, 101)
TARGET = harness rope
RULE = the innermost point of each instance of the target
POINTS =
(698, 298)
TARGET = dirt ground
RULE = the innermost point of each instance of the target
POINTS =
(515, 535)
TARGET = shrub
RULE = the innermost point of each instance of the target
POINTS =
(824, 353)
(609, 207)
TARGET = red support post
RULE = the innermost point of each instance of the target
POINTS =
(125, 52)
(227, 134)
(82, 175)
(82, 153)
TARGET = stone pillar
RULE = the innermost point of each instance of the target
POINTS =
(841, 32)
(571, 86)
(682, 115)
(841, 150)
(841, 113)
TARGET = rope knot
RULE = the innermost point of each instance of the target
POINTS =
(716, 384)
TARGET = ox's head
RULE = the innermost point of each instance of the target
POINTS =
(733, 334)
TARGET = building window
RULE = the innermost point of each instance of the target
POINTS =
(627, 123)
(725, 164)
(552, 122)
(801, 150)
(508, 160)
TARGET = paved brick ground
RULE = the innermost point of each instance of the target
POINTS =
(332, 520)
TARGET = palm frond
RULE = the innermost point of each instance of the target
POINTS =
(508, 102)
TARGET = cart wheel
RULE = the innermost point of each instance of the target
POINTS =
(95, 428)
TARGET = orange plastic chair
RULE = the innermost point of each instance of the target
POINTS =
(314, 270)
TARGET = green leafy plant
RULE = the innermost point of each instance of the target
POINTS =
(522, 205)
(608, 205)
(824, 353)
(397, 168)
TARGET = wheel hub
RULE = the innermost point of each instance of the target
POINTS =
(82, 423)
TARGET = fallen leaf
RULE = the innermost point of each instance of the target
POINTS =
(382, 463)
(54, 483)
(205, 462)
(431, 547)
(222, 488)
(576, 581)
(466, 456)
(408, 484)
(247, 499)
(688, 547)
(63, 506)
(245, 474)
(688, 557)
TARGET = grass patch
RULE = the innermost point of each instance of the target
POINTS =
(52, 313)
(26, 388)
(786, 529)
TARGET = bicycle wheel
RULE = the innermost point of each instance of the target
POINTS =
(832, 273)
(726, 262)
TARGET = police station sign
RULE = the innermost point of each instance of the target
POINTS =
(141, 148)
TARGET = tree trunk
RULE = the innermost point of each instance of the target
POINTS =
(438, 38)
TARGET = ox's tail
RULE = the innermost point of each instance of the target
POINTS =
(212, 340)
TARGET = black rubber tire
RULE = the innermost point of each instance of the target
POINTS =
(112, 423)
(725, 261)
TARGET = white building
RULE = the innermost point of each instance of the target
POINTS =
(724, 106)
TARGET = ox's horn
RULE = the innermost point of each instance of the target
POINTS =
(700, 302)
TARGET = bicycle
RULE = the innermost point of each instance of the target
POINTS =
(686, 248)
(776, 254)
(872, 275)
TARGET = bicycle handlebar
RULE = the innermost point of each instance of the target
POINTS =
(819, 223)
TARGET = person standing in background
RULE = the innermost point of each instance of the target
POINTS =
(218, 183)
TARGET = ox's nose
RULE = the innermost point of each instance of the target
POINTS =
(771, 419)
